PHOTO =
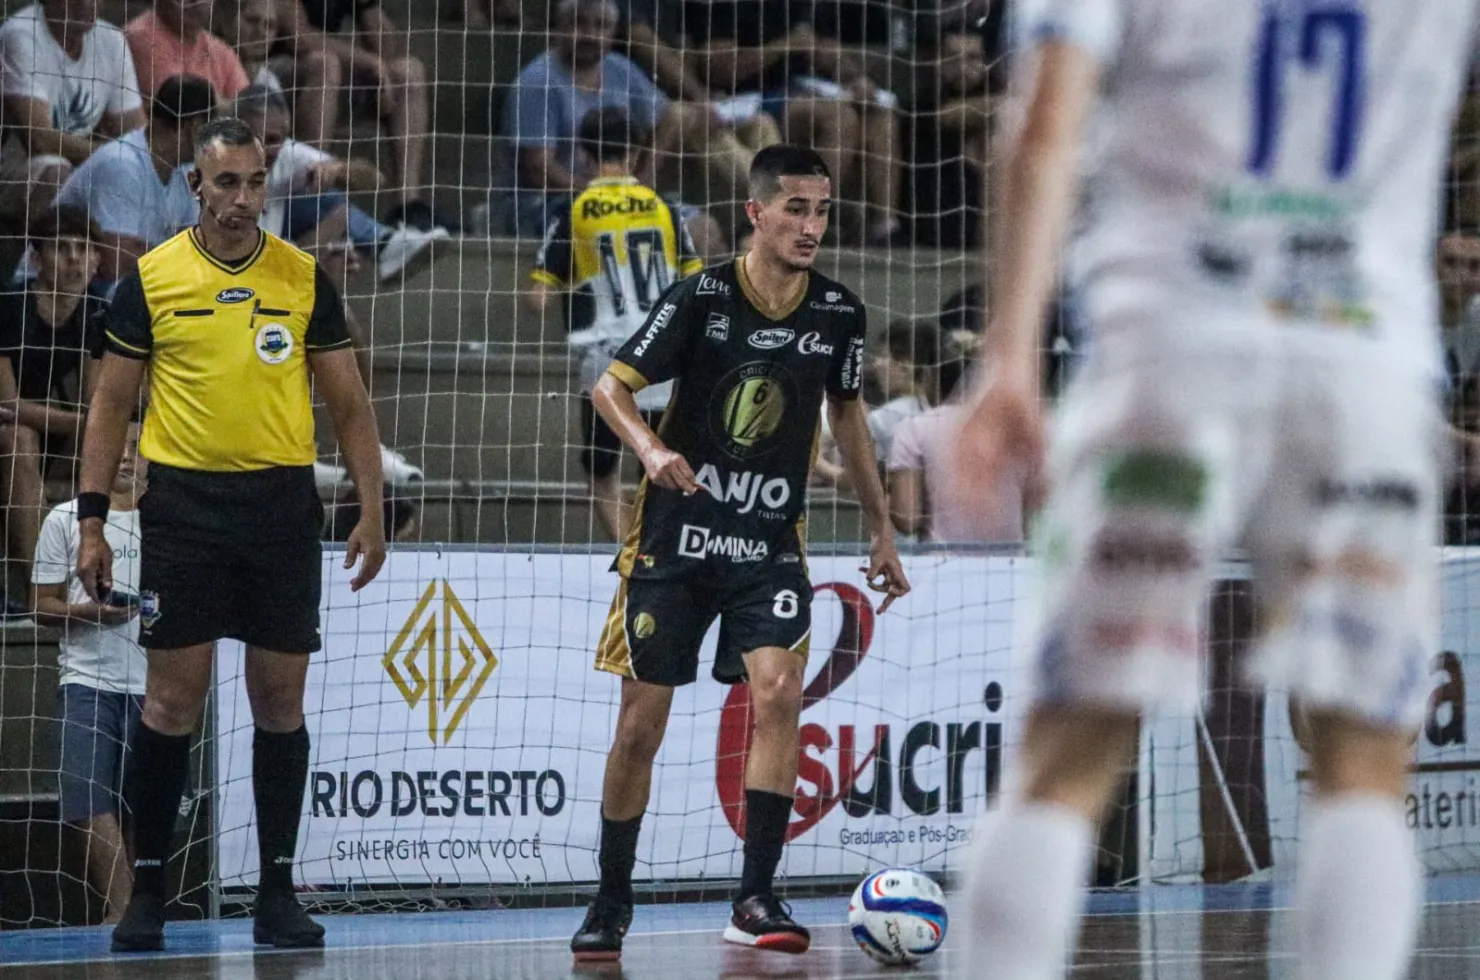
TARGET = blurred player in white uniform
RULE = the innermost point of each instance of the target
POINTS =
(1254, 252)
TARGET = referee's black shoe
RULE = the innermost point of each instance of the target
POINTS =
(280, 921)
(765, 922)
(600, 936)
(141, 930)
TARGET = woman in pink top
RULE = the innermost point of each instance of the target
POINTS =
(920, 463)
(172, 39)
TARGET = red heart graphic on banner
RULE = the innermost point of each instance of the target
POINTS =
(733, 749)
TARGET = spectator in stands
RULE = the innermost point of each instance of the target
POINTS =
(920, 459)
(1459, 290)
(172, 38)
(906, 374)
(67, 86)
(340, 261)
(101, 689)
(374, 56)
(134, 188)
(316, 76)
(816, 86)
(580, 72)
(485, 13)
(606, 301)
(650, 33)
(45, 331)
(307, 189)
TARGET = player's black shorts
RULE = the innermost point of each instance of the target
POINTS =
(230, 556)
(600, 447)
(655, 627)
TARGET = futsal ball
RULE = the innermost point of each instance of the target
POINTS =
(898, 916)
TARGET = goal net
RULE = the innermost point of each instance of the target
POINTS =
(459, 733)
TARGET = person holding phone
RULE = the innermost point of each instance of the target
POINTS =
(101, 692)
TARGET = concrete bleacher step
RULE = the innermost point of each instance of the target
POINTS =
(470, 290)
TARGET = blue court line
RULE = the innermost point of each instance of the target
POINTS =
(233, 937)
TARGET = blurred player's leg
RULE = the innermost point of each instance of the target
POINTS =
(641, 722)
(1343, 549)
(1357, 919)
(1034, 853)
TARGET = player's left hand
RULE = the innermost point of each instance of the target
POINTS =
(885, 573)
(367, 544)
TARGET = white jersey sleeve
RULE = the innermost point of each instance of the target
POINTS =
(1094, 25)
(55, 554)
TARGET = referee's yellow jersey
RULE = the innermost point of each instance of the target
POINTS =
(227, 345)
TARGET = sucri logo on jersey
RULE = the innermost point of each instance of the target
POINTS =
(811, 343)
(860, 770)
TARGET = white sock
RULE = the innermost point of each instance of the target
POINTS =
(1358, 892)
(1024, 892)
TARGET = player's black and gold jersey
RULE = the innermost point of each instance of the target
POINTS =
(745, 414)
(616, 249)
(227, 346)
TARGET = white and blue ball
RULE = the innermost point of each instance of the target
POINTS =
(898, 916)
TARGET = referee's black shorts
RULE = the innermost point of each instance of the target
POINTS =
(230, 556)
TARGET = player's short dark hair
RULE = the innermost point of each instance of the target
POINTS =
(181, 98)
(60, 221)
(228, 131)
(783, 160)
(610, 135)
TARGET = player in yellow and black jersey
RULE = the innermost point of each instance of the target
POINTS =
(233, 323)
(757, 347)
(610, 255)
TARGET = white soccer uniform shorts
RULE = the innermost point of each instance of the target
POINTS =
(1304, 447)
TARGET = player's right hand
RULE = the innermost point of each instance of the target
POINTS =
(669, 470)
(95, 561)
(1002, 437)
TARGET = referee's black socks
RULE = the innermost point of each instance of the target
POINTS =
(156, 778)
(618, 857)
(279, 772)
(766, 817)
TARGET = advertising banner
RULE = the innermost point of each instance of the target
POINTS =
(460, 733)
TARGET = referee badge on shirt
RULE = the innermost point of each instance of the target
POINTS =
(274, 343)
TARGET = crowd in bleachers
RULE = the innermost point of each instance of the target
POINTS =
(97, 124)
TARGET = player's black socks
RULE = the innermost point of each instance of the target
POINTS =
(618, 857)
(156, 778)
(766, 817)
(279, 772)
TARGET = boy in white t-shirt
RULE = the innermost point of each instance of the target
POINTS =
(101, 690)
(68, 86)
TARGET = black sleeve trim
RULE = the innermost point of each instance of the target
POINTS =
(326, 327)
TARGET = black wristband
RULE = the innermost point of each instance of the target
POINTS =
(92, 504)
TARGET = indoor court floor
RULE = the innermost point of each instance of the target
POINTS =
(1162, 933)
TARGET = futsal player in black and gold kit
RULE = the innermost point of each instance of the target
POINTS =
(754, 346)
(610, 254)
(232, 323)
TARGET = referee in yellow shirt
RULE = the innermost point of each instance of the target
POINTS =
(233, 324)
